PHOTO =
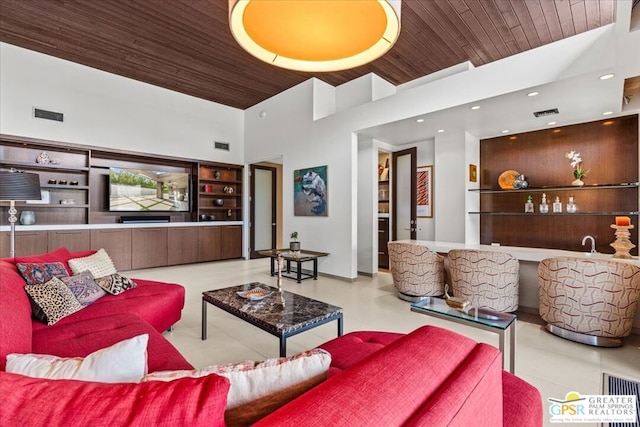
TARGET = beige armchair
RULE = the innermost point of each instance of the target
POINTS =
(417, 271)
(589, 301)
(487, 279)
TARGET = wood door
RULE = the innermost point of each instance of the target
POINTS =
(181, 248)
(231, 242)
(263, 224)
(73, 240)
(148, 247)
(209, 243)
(404, 182)
(117, 243)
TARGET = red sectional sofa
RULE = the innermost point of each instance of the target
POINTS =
(150, 308)
(430, 377)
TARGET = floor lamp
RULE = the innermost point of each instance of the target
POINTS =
(18, 186)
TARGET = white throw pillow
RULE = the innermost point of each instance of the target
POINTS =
(99, 264)
(125, 361)
(253, 380)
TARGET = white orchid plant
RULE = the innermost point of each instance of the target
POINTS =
(575, 159)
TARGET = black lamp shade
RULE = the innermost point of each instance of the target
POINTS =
(19, 186)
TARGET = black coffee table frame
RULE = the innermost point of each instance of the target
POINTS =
(271, 317)
(298, 274)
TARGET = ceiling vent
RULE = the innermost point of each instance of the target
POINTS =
(546, 113)
(221, 145)
(48, 115)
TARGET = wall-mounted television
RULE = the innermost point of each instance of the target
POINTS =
(144, 190)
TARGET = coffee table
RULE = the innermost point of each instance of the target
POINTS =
(299, 257)
(282, 314)
(500, 323)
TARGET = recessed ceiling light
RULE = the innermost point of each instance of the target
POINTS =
(607, 113)
(551, 123)
(440, 130)
(505, 131)
(533, 94)
(606, 76)
(420, 120)
(475, 107)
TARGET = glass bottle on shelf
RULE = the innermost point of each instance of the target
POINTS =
(528, 206)
(571, 206)
(544, 207)
(557, 205)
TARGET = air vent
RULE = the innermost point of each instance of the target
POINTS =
(221, 145)
(545, 113)
(48, 115)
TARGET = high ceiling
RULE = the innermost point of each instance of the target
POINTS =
(186, 45)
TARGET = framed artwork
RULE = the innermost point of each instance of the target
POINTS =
(424, 197)
(310, 194)
(473, 173)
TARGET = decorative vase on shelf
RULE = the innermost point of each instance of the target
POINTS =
(27, 218)
(577, 182)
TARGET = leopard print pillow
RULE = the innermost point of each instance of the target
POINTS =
(52, 301)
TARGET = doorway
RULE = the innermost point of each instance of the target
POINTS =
(263, 202)
(403, 172)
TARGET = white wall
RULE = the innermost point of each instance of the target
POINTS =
(106, 110)
(449, 182)
(367, 206)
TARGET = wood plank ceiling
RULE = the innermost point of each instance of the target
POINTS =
(186, 45)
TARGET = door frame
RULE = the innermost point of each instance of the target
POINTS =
(252, 208)
(413, 226)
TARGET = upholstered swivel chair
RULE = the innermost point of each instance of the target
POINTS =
(487, 279)
(417, 271)
(589, 301)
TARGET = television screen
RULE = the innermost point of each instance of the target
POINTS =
(136, 190)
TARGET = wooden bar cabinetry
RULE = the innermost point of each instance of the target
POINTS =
(181, 247)
(73, 240)
(149, 247)
(117, 243)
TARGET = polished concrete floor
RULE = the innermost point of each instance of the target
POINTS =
(554, 365)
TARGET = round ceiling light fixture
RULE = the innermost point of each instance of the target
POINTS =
(318, 35)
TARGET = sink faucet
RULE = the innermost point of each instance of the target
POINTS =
(593, 243)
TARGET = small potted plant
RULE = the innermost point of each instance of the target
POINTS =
(294, 244)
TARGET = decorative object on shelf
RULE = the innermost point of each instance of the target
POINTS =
(571, 206)
(424, 193)
(544, 207)
(43, 158)
(229, 213)
(218, 202)
(228, 189)
(310, 191)
(208, 188)
(18, 186)
(52, 181)
(520, 182)
(578, 172)
(216, 174)
(73, 182)
(528, 206)
(507, 178)
(294, 244)
(557, 205)
(202, 217)
(27, 217)
(212, 217)
(454, 302)
(622, 244)
(473, 173)
(62, 182)
(68, 201)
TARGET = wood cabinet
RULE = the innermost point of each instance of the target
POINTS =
(73, 240)
(180, 245)
(117, 243)
(383, 239)
(209, 246)
(609, 150)
(26, 243)
(231, 242)
(149, 247)
(219, 192)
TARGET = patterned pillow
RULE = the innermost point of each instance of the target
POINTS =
(52, 301)
(84, 288)
(99, 264)
(115, 283)
(35, 273)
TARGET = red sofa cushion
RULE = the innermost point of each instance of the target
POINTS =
(58, 255)
(78, 339)
(160, 304)
(393, 384)
(15, 309)
(522, 402)
(187, 402)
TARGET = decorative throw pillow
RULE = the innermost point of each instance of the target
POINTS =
(35, 273)
(259, 388)
(84, 287)
(42, 402)
(52, 301)
(115, 283)
(125, 361)
(99, 264)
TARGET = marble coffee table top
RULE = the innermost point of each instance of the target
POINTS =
(279, 313)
